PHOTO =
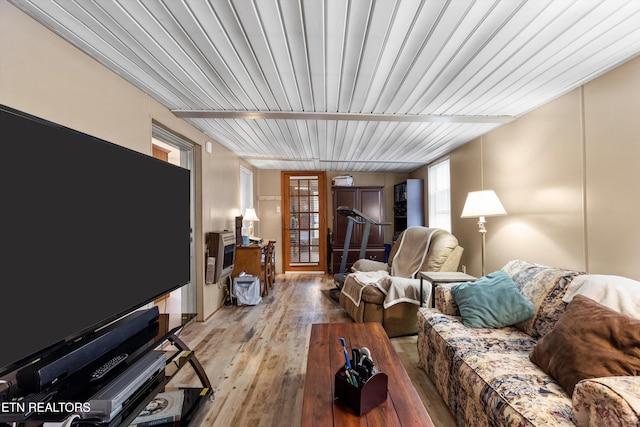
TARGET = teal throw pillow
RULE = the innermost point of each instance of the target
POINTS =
(492, 301)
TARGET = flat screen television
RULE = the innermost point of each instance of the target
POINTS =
(90, 231)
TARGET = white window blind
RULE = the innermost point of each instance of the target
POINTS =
(439, 195)
(246, 189)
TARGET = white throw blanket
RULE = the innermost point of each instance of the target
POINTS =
(401, 285)
(618, 293)
(395, 289)
(400, 289)
(412, 251)
(352, 289)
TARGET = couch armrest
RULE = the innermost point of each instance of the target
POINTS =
(444, 300)
(610, 401)
(369, 265)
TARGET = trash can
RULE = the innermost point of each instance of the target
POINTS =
(246, 290)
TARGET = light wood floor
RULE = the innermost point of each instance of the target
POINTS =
(256, 358)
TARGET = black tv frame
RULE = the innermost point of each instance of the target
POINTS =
(90, 231)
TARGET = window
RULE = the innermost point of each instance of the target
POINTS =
(439, 195)
(246, 189)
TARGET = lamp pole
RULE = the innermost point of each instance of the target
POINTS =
(483, 232)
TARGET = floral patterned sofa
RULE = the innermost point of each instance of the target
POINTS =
(486, 375)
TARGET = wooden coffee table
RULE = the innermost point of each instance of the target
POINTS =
(403, 406)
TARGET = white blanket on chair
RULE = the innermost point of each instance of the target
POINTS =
(352, 289)
(400, 289)
(395, 289)
(412, 251)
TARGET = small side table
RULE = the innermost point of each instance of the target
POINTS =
(435, 277)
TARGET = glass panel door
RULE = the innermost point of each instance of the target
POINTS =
(304, 229)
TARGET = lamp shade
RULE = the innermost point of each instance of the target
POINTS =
(250, 215)
(482, 203)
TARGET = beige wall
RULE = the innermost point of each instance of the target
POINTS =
(43, 75)
(269, 210)
(612, 163)
(565, 173)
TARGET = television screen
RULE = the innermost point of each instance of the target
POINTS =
(90, 231)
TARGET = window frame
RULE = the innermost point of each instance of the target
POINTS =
(439, 194)
(246, 189)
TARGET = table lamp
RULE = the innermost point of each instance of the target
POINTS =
(250, 215)
(481, 204)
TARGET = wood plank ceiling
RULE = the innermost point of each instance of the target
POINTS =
(348, 85)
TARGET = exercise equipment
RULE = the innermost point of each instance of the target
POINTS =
(354, 216)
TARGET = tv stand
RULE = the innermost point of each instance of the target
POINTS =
(178, 355)
(195, 363)
(177, 358)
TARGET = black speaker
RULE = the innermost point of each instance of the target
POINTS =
(47, 372)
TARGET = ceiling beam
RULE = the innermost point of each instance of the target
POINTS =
(369, 117)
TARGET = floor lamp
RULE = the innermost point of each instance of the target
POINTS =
(481, 204)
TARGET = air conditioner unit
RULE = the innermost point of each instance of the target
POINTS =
(342, 181)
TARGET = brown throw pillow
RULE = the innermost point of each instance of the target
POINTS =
(589, 341)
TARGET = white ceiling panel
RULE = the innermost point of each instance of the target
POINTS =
(348, 85)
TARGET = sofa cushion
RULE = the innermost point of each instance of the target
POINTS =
(589, 341)
(544, 287)
(463, 341)
(444, 299)
(485, 376)
(492, 301)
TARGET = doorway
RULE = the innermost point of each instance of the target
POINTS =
(174, 149)
(304, 229)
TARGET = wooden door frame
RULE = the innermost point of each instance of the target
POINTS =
(322, 199)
